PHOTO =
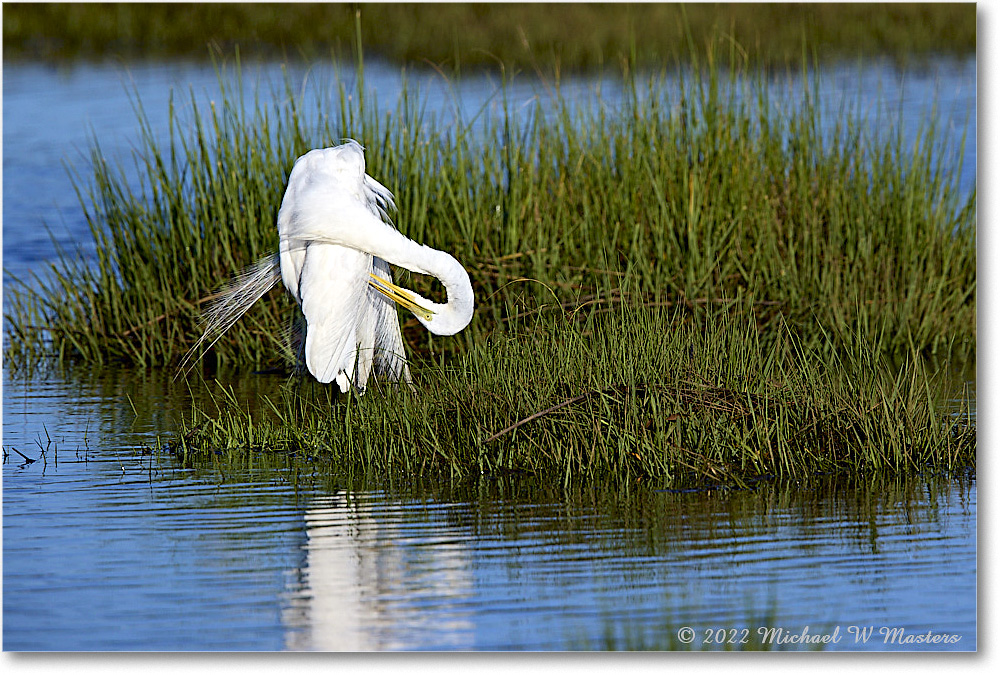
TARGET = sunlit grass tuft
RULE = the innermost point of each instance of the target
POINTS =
(636, 394)
(697, 191)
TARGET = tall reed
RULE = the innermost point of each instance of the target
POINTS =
(698, 192)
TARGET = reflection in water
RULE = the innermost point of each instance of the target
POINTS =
(108, 548)
(366, 585)
(526, 565)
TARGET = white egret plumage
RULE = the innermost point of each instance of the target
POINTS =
(336, 243)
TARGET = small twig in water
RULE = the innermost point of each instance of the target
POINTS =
(27, 460)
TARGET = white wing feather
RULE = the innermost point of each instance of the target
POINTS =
(390, 354)
(333, 294)
(351, 329)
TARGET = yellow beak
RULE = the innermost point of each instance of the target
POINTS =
(401, 296)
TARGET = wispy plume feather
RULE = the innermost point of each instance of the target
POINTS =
(239, 295)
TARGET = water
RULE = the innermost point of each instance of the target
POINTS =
(111, 545)
(108, 547)
(51, 114)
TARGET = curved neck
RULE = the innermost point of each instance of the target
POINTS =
(371, 235)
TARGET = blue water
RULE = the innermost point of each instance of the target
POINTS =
(108, 547)
(52, 114)
(110, 544)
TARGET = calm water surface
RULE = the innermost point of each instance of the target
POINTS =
(110, 546)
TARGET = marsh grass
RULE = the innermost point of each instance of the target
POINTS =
(636, 394)
(470, 35)
(697, 192)
(163, 245)
(685, 285)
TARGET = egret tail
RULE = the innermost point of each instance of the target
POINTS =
(241, 293)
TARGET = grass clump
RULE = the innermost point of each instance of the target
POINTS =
(636, 394)
(687, 286)
(697, 190)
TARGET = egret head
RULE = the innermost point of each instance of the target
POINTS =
(440, 319)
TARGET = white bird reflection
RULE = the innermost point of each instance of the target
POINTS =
(365, 586)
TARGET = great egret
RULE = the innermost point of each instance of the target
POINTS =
(335, 246)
